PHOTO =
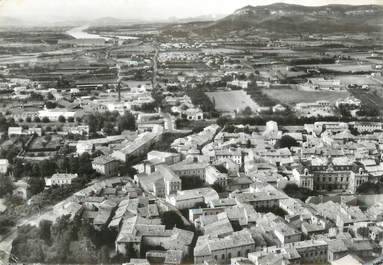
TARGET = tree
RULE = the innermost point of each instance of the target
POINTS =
(36, 119)
(171, 219)
(50, 105)
(62, 119)
(126, 122)
(82, 251)
(6, 185)
(45, 230)
(222, 121)
(85, 169)
(46, 120)
(36, 185)
(6, 223)
(70, 119)
(370, 188)
(286, 141)
(292, 190)
(50, 96)
(247, 111)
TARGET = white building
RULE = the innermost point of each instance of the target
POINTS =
(54, 114)
(190, 198)
(105, 165)
(60, 179)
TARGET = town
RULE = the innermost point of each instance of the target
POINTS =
(173, 143)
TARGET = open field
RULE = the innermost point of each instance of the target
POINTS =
(293, 96)
(228, 101)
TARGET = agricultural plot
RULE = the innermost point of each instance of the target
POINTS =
(293, 96)
(229, 101)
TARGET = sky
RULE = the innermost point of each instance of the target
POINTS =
(56, 10)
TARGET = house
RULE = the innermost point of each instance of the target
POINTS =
(239, 183)
(162, 182)
(336, 249)
(164, 157)
(185, 170)
(222, 250)
(106, 165)
(286, 234)
(138, 147)
(311, 251)
(195, 213)
(213, 176)
(60, 179)
(194, 114)
(137, 230)
(21, 189)
(221, 155)
(192, 198)
(348, 260)
(303, 178)
(259, 200)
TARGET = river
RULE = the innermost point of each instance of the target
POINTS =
(79, 33)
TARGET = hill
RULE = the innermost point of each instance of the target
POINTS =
(288, 18)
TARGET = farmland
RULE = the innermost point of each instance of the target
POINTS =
(293, 96)
(229, 101)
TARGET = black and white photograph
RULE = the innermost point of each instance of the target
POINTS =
(207, 132)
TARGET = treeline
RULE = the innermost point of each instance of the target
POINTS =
(319, 60)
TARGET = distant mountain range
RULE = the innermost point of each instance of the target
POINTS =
(103, 21)
(288, 18)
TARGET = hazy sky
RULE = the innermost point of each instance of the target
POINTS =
(138, 9)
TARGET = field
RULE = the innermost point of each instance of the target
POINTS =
(294, 96)
(229, 101)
